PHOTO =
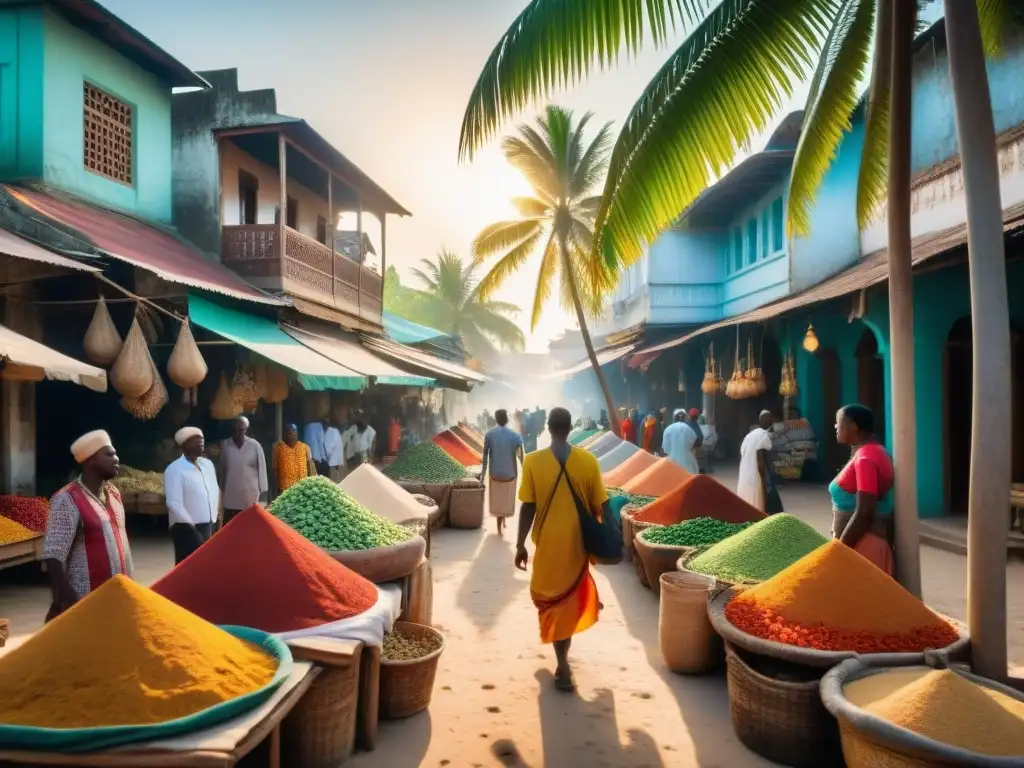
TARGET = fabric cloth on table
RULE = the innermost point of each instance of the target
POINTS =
(501, 496)
(749, 487)
(191, 491)
(368, 627)
(245, 473)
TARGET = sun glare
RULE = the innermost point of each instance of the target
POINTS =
(486, 188)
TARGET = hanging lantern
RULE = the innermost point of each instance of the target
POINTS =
(811, 343)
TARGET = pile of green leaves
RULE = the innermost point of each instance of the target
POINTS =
(330, 518)
(631, 498)
(701, 532)
(425, 463)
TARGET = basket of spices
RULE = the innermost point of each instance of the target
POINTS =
(626, 519)
(660, 548)
(434, 515)
(924, 715)
(408, 667)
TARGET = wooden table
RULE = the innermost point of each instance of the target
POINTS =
(21, 552)
(220, 746)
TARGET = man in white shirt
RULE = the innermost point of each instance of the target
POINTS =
(193, 496)
(313, 436)
(754, 480)
(359, 441)
(334, 450)
(678, 442)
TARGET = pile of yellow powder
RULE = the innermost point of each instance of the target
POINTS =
(124, 655)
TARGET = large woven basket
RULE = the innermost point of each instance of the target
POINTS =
(320, 732)
(407, 686)
(466, 508)
(626, 523)
(147, 503)
(383, 564)
(869, 741)
(657, 559)
(688, 643)
(777, 711)
(960, 650)
(440, 493)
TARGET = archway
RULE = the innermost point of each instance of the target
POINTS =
(871, 379)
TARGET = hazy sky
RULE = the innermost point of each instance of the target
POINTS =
(386, 81)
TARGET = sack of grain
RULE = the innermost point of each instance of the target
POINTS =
(224, 405)
(186, 366)
(102, 341)
(132, 372)
(150, 404)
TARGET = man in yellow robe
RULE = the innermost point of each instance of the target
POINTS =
(561, 586)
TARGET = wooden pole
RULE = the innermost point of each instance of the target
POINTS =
(991, 403)
(901, 301)
(332, 226)
(282, 171)
(359, 252)
(383, 247)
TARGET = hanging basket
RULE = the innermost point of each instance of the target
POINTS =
(275, 388)
(102, 341)
(133, 371)
(150, 404)
(185, 366)
(224, 406)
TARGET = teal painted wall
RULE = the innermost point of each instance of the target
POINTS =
(72, 57)
(21, 93)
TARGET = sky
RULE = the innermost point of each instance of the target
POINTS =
(387, 82)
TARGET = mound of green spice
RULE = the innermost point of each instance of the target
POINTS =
(330, 518)
(760, 551)
(631, 498)
(700, 532)
(425, 463)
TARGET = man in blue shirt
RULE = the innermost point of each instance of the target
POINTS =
(502, 447)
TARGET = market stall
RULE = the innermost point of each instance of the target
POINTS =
(427, 469)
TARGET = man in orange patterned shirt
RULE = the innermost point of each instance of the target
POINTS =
(292, 459)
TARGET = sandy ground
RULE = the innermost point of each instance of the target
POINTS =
(494, 702)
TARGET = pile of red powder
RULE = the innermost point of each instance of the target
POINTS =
(457, 449)
(699, 496)
(258, 572)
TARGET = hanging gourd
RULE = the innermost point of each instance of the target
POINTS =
(132, 372)
(186, 366)
(102, 341)
(709, 385)
(275, 389)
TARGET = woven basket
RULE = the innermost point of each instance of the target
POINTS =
(688, 643)
(958, 651)
(657, 559)
(407, 686)
(869, 741)
(320, 732)
(416, 489)
(422, 529)
(148, 503)
(383, 564)
(466, 508)
(782, 720)
(626, 522)
(441, 493)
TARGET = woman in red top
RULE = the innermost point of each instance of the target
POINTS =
(858, 488)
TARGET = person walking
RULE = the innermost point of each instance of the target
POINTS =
(292, 459)
(86, 543)
(502, 448)
(193, 496)
(755, 480)
(561, 586)
(243, 470)
(678, 442)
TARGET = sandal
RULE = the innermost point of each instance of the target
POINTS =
(565, 683)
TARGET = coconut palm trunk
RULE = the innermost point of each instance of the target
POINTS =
(901, 295)
(991, 426)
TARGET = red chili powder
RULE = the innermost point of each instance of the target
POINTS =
(658, 479)
(634, 465)
(258, 572)
(457, 449)
(700, 496)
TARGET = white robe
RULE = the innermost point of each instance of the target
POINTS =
(750, 488)
(677, 443)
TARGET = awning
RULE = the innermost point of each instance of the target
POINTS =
(604, 356)
(17, 246)
(354, 356)
(407, 332)
(422, 364)
(265, 338)
(48, 363)
(871, 270)
(133, 241)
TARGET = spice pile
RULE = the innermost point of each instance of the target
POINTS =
(945, 707)
(604, 444)
(32, 513)
(126, 656)
(835, 600)
(630, 468)
(401, 646)
(699, 496)
(761, 551)
(12, 532)
(425, 463)
(616, 456)
(582, 435)
(593, 438)
(701, 532)
(658, 479)
(469, 437)
(131, 480)
(382, 495)
(298, 584)
(457, 449)
(330, 518)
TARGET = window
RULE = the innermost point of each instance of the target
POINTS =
(777, 225)
(751, 241)
(248, 197)
(321, 230)
(765, 237)
(292, 214)
(737, 249)
(108, 135)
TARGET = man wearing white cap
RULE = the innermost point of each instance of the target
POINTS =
(86, 543)
(193, 496)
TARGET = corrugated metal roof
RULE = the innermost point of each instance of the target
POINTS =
(421, 363)
(346, 352)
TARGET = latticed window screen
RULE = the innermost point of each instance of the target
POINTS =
(108, 135)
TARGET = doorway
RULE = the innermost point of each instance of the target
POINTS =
(871, 379)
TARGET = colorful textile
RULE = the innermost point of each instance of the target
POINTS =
(561, 586)
(869, 470)
(627, 430)
(649, 433)
(291, 463)
(502, 495)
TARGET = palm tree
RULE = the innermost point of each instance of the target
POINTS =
(563, 169)
(718, 91)
(451, 302)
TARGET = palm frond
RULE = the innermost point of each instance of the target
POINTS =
(531, 207)
(500, 329)
(873, 177)
(554, 43)
(997, 18)
(832, 100)
(508, 264)
(537, 167)
(547, 274)
(501, 307)
(591, 167)
(501, 236)
(740, 65)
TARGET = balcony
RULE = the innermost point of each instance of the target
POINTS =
(304, 268)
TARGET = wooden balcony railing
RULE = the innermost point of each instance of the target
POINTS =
(304, 269)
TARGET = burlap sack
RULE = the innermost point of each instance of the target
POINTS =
(132, 372)
(275, 388)
(224, 405)
(102, 341)
(186, 366)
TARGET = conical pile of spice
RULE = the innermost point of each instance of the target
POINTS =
(124, 655)
(945, 707)
(617, 455)
(582, 436)
(761, 551)
(593, 438)
(699, 496)
(457, 449)
(629, 469)
(836, 600)
(298, 584)
(604, 444)
(662, 476)
(425, 463)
